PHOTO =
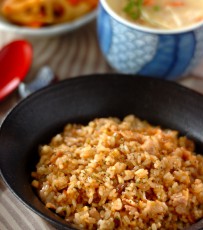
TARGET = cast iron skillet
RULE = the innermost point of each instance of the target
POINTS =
(39, 117)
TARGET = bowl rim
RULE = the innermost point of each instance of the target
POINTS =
(146, 29)
(52, 30)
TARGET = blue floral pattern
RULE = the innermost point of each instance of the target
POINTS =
(131, 51)
(104, 30)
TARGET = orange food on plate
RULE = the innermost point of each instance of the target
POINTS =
(38, 13)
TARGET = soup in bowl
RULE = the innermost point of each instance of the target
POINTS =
(160, 14)
(156, 38)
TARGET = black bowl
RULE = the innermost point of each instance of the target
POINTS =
(40, 116)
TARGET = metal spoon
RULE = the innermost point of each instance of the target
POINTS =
(44, 77)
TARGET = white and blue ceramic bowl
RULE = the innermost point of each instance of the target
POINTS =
(134, 49)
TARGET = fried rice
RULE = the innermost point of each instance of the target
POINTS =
(121, 174)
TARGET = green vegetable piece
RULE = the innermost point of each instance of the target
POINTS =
(134, 8)
(156, 8)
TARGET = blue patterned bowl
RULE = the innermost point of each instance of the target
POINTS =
(134, 49)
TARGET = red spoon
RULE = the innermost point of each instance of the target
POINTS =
(15, 61)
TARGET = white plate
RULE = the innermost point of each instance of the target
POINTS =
(49, 30)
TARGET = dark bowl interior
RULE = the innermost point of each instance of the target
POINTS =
(37, 118)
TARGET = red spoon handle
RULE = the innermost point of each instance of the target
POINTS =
(15, 61)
